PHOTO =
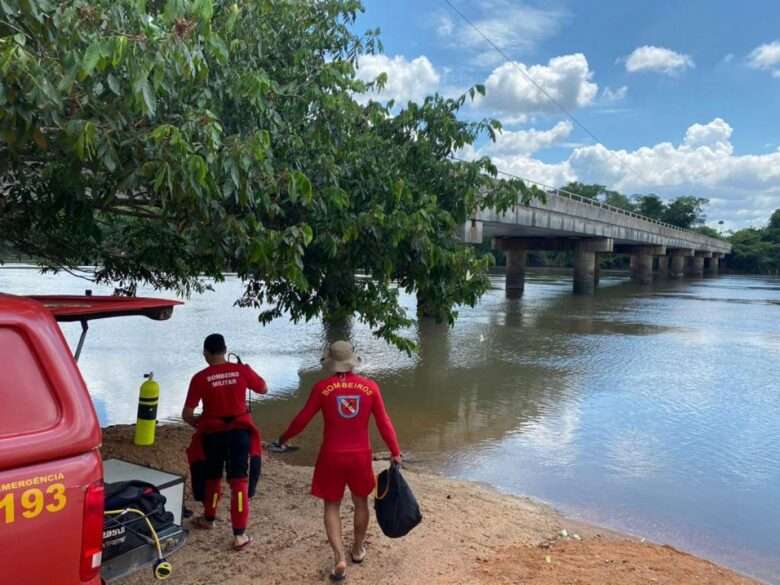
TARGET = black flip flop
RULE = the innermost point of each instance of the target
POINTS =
(337, 577)
(275, 447)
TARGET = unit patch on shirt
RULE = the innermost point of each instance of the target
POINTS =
(349, 406)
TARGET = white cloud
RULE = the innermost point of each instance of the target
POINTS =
(766, 57)
(549, 175)
(703, 160)
(445, 27)
(528, 141)
(512, 26)
(658, 59)
(406, 80)
(567, 79)
(716, 134)
(743, 189)
(610, 96)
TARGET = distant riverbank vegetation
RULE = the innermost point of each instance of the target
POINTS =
(756, 250)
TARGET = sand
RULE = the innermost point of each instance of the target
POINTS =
(470, 534)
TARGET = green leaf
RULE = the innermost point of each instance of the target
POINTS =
(108, 159)
(119, 47)
(113, 84)
(308, 234)
(92, 56)
(85, 143)
(235, 176)
(49, 91)
(220, 48)
(150, 100)
(300, 186)
(204, 9)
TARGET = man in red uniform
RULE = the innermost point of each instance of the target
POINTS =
(347, 402)
(224, 432)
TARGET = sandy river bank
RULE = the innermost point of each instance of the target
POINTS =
(470, 534)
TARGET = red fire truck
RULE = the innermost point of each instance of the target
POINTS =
(51, 473)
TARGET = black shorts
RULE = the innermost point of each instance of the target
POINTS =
(228, 449)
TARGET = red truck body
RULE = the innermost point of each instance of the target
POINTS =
(51, 475)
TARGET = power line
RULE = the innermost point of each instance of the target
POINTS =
(525, 75)
(563, 109)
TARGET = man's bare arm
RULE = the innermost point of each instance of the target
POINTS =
(188, 414)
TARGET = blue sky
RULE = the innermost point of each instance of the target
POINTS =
(683, 96)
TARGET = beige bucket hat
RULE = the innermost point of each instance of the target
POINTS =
(340, 357)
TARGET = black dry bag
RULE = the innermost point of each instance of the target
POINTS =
(396, 507)
(140, 501)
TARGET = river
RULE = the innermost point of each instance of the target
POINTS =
(652, 410)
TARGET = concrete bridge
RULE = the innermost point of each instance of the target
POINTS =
(591, 228)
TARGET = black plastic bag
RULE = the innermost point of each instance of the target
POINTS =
(396, 507)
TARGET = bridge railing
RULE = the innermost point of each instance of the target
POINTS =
(620, 210)
(596, 203)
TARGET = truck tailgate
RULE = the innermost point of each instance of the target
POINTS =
(41, 518)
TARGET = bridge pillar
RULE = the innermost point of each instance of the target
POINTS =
(663, 266)
(644, 268)
(678, 256)
(695, 268)
(516, 251)
(642, 260)
(677, 268)
(515, 271)
(597, 270)
(585, 263)
(696, 264)
(712, 265)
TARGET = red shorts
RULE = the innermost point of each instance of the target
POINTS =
(335, 471)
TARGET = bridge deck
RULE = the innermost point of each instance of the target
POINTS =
(571, 216)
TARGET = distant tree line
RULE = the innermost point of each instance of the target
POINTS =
(756, 250)
(685, 212)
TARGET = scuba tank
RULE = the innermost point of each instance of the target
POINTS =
(146, 423)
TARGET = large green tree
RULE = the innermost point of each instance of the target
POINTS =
(685, 212)
(650, 205)
(167, 141)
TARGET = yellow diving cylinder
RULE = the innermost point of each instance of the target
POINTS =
(147, 411)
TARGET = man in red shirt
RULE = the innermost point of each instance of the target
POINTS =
(347, 402)
(225, 433)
